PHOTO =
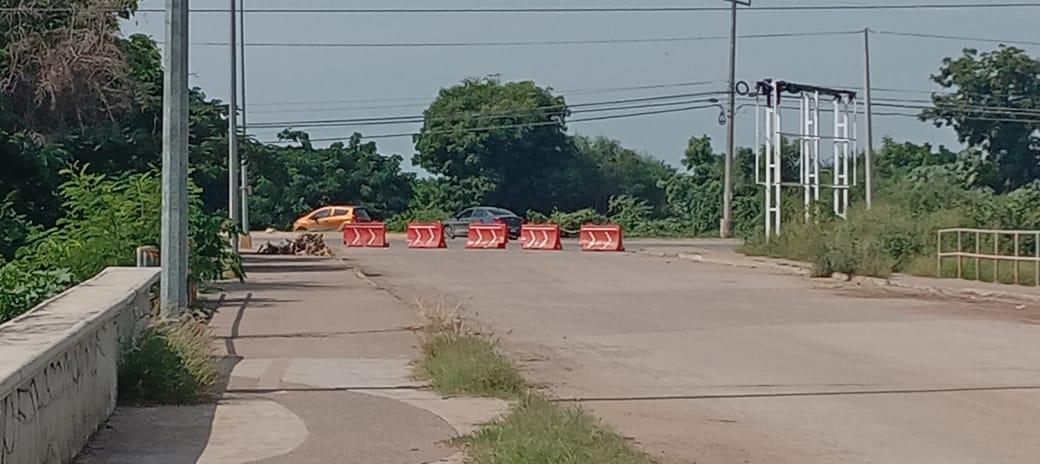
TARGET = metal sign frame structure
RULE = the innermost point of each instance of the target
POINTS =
(769, 147)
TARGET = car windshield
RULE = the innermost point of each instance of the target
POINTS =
(362, 215)
(501, 212)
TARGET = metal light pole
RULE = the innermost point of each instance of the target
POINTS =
(726, 226)
(173, 287)
(869, 154)
(233, 192)
(243, 163)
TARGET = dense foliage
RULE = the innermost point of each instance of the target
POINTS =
(924, 190)
(1006, 81)
(287, 181)
(106, 219)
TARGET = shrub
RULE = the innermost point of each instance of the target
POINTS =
(569, 221)
(24, 287)
(106, 219)
(400, 222)
(169, 363)
(15, 229)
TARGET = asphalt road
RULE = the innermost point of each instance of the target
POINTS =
(714, 364)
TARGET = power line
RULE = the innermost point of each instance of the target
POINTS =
(463, 117)
(968, 108)
(599, 103)
(525, 43)
(917, 116)
(419, 118)
(926, 105)
(959, 105)
(514, 126)
(646, 9)
(426, 100)
(955, 37)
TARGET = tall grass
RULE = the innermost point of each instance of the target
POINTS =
(889, 238)
(457, 361)
(537, 431)
(170, 363)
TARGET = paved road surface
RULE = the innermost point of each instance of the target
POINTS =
(713, 364)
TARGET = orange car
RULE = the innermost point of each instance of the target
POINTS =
(331, 218)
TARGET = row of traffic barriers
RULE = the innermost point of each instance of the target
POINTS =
(606, 237)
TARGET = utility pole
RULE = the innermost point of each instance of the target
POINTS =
(726, 227)
(243, 161)
(869, 154)
(233, 191)
(173, 286)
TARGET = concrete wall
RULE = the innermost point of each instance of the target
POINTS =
(59, 362)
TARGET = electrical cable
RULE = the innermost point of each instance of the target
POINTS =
(420, 118)
(514, 126)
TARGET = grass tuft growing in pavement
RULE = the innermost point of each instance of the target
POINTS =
(457, 361)
(537, 431)
(468, 364)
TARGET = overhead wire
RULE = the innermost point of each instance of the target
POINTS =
(954, 37)
(426, 100)
(526, 43)
(645, 102)
(476, 115)
(514, 126)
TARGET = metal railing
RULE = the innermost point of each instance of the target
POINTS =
(999, 241)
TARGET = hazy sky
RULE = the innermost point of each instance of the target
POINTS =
(292, 84)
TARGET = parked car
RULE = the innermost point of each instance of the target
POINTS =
(458, 225)
(332, 217)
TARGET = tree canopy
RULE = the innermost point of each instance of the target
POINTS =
(994, 106)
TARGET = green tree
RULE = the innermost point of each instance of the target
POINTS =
(512, 136)
(288, 181)
(614, 170)
(1003, 78)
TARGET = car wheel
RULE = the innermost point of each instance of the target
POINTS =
(449, 232)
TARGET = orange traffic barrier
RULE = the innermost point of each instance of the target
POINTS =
(365, 234)
(606, 237)
(540, 237)
(487, 236)
(426, 235)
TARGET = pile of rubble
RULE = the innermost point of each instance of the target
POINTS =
(306, 244)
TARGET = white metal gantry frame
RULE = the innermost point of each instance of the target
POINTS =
(773, 161)
(809, 165)
(769, 145)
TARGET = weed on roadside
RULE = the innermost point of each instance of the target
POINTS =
(457, 361)
(467, 364)
(537, 431)
(170, 363)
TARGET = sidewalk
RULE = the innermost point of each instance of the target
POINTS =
(319, 373)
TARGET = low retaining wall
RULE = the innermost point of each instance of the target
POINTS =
(59, 363)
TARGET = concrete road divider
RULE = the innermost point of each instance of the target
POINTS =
(540, 237)
(366, 234)
(487, 236)
(426, 235)
(606, 237)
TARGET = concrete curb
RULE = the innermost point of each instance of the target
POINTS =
(805, 270)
